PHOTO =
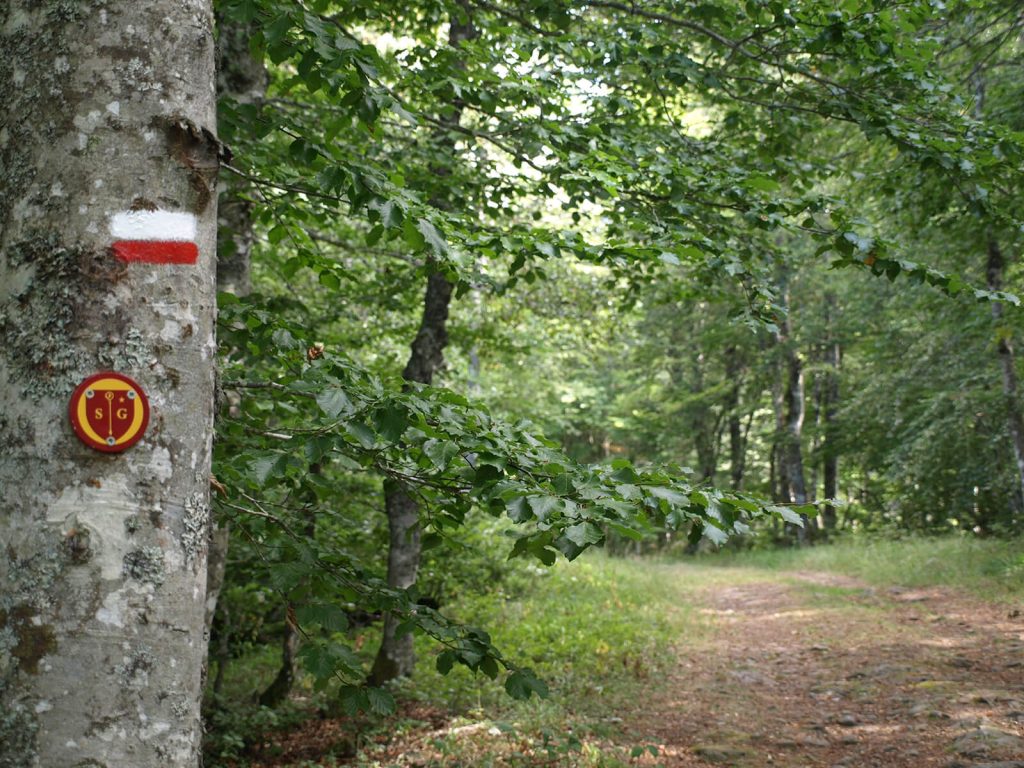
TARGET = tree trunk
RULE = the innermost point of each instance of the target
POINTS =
(702, 423)
(395, 657)
(792, 457)
(830, 450)
(794, 427)
(243, 79)
(109, 115)
(1014, 422)
(779, 475)
(737, 447)
(281, 686)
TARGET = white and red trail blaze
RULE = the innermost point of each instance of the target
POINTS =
(155, 237)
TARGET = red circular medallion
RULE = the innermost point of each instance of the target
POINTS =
(109, 412)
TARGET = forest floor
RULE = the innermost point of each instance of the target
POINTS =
(777, 668)
(820, 669)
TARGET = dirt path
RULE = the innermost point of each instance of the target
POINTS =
(819, 670)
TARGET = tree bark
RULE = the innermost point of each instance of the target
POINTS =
(281, 686)
(737, 444)
(395, 658)
(702, 424)
(995, 267)
(241, 78)
(830, 449)
(103, 568)
(792, 448)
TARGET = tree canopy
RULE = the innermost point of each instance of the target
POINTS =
(715, 264)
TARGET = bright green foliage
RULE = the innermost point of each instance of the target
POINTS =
(625, 189)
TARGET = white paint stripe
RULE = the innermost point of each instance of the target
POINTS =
(153, 225)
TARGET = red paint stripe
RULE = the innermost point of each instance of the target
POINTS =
(157, 251)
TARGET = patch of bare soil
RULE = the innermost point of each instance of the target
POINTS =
(820, 670)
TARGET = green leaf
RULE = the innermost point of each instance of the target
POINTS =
(675, 498)
(329, 280)
(715, 534)
(584, 534)
(362, 433)
(518, 509)
(445, 662)
(353, 699)
(762, 183)
(489, 666)
(433, 238)
(787, 514)
(267, 465)
(544, 506)
(391, 423)
(440, 452)
(381, 702)
(522, 683)
(334, 402)
(327, 615)
(412, 235)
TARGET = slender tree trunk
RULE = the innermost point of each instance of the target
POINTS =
(241, 78)
(817, 401)
(792, 448)
(780, 482)
(395, 657)
(281, 686)
(794, 427)
(222, 655)
(103, 567)
(1014, 422)
(830, 450)
(737, 447)
(702, 424)
(994, 268)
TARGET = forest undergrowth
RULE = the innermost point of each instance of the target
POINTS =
(903, 651)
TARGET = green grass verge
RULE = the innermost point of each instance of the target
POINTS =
(990, 568)
(598, 631)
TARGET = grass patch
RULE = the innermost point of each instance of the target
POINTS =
(992, 569)
(593, 629)
(599, 631)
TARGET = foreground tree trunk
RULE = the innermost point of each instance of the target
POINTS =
(110, 112)
(395, 657)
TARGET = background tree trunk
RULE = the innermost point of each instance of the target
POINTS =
(737, 443)
(103, 569)
(995, 267)
(830, 449)
(241, 78)
(395, 657)
(281, 686)
(792, 373)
